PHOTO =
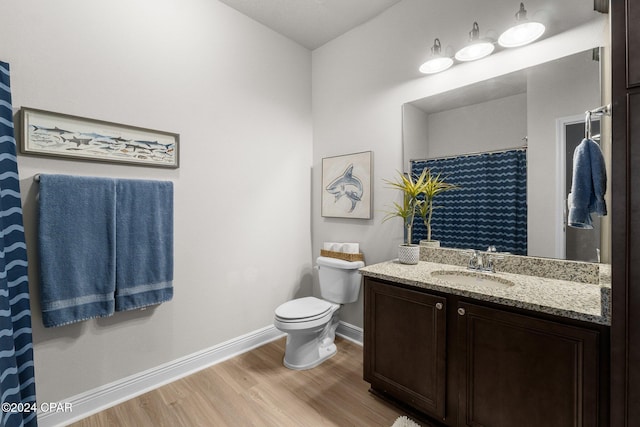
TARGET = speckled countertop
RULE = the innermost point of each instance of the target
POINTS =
(582, 301)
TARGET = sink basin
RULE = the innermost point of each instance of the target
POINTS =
(472, 278)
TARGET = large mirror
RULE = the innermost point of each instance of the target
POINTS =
(541, 108)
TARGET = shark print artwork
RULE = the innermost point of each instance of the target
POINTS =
(346, 186)
(57, 134)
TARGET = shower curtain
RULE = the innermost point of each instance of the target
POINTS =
(489, 208)
(17, 382)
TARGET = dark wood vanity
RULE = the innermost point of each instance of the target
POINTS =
(464, 362)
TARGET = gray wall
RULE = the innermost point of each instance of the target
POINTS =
(492, 125)
(415, 134)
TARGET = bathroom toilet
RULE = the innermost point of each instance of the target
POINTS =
(310, 322)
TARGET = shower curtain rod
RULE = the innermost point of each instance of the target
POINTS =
(476, 153)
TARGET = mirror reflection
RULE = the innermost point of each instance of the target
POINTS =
(529, 123)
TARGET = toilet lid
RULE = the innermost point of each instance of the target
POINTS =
(303, 308)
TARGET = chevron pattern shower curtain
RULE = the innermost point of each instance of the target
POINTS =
(17, 382)
(489, 208)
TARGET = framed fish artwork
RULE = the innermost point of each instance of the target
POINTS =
(346, 186)
(45, 133)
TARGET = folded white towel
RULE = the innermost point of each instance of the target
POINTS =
(350, 248)
(347, 248)
(328, 246)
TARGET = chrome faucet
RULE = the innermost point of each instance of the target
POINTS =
(473, 260)
(483, 261)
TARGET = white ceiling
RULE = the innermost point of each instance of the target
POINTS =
(311, 23)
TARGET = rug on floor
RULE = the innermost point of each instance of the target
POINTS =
(405, 422)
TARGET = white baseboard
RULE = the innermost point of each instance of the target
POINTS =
(101, 398)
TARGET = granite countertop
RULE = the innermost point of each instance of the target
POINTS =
(582, 301)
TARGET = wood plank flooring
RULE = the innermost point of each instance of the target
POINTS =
(255, 389)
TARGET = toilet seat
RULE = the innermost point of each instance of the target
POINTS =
(305, 309)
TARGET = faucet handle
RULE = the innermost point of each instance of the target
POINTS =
(491, 257)
(494, 256)
(473, 259)
(473, 253)
(492, 253)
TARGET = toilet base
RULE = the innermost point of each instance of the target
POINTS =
(324, 354)
(308, 349)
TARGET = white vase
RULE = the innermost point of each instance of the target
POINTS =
(408, 254)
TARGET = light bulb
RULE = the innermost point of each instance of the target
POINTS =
(436, 65)
(524, 32)
(437, 62)
(474, 51)
(476, 48)
(521, 34)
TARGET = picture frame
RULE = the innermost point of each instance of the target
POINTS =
(46, 133)
(346, 186)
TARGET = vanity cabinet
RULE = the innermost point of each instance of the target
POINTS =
(468, 363)
(521, 371)
(405, 345)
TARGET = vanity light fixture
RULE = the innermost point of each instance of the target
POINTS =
(524, 32)
(437, 62)
(476, 48)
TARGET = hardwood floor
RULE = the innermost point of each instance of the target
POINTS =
(255, 389)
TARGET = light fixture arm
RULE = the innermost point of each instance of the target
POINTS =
(474, 34)
(436, 48)
(521, 15)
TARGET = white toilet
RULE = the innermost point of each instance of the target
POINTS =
(310, 323)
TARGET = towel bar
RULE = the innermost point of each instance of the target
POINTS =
(604, 110)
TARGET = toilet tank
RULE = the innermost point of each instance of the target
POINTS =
(339, 280)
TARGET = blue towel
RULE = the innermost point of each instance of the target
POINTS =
(76, 241)
(144, 243)
(588, 185)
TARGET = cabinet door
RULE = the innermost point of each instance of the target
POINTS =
(525, 372)
(633, 43)
(404, 345)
